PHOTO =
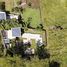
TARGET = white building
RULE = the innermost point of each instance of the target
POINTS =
(26, 36)
(13, 16)
(2, 16)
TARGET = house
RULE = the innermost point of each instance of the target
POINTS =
(26, 37)
(2, 16)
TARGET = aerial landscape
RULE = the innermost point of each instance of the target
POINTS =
(33, 33)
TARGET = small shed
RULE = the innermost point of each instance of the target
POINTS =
(2, 16)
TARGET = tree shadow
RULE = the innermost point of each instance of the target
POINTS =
(42, 52)
(54, 64)
(18, 49)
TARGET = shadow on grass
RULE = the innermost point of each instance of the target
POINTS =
(42, 52)
(54, 64)
(20, 49)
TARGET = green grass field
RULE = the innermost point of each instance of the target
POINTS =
(55, 13)
(9, 4)
(34, 14)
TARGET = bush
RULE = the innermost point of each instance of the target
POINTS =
(40, 26)
(42, 52)
(2, 6)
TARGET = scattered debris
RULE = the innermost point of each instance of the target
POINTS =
(56, 27)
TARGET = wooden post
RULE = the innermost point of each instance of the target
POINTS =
(5, 51)
(46, 37)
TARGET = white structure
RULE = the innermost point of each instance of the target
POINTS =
(16, 32)
(9, 33)
(13, 16)
(26, 36)
(29, 36)
(2, 16)
(6, 41)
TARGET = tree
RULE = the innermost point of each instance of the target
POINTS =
(40, 26)
(21, 21)
(2, 6)
(29, 22)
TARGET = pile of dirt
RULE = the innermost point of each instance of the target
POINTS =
(32, 3)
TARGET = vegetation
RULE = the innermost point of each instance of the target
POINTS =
(2, 6)
(54, 15)
(33, 14)
(8, 24)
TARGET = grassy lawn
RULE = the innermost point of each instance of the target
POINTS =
(34, 14)
(33, 44)
(9, 4)
(16, 62)
(55, 13)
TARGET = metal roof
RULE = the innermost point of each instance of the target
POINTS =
(2, 16)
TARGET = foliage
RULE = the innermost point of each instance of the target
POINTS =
(33, 14)
(17, 9)
(8, 24)
(12, 62)
(42, 52)
(2, 6)
(40, 26)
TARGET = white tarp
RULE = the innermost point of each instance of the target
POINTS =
(16, 32)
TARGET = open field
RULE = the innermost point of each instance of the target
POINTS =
(55, 13)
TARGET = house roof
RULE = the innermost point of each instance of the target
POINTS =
(2, 16)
